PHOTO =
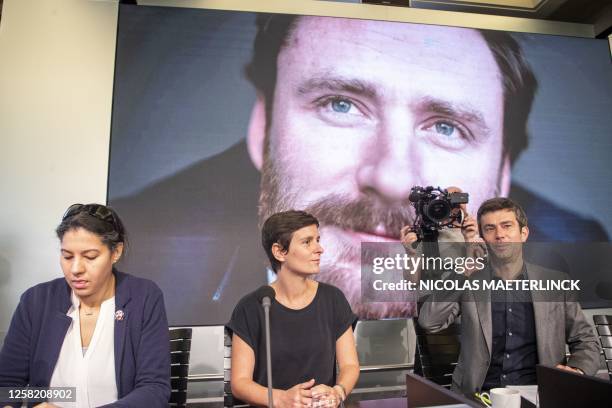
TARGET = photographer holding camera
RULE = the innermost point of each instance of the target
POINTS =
(500, 343)
(442, 219)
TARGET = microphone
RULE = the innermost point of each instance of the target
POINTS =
(603, 290)
(265, 294)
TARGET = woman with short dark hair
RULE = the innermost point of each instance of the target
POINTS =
(99, 330)
(311, 325)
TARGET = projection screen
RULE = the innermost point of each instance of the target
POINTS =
(221, 118)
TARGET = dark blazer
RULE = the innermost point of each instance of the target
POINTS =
(142, 350)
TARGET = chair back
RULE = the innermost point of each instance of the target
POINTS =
(603, 325)
(229, 401)
(436, 354)
(180, 347)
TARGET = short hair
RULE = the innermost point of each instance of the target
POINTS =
(502, 203)
(98, 219)
(279, 229)
(519, 83)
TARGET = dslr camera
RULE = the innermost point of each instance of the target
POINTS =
(434, 209)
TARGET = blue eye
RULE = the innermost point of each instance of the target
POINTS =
(341, 111)
(445, 128)
(446, 133)
(341, 105)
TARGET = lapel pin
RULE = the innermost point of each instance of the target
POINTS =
(119, 315)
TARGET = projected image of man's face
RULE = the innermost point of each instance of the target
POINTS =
(365, 110)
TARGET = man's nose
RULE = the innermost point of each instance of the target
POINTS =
(499, 233)
(389, 167)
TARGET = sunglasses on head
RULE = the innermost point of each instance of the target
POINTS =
(95, 210)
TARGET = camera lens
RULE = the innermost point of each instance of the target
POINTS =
(438, 210)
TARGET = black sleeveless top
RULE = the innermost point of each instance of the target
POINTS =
(303, 342)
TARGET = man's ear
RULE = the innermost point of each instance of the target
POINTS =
(524, 233)
(505, 176)
(278, 252)
(257, 131)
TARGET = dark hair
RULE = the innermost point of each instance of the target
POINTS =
(97, 219)
(519, 82)
(279, 229)
(502, 203)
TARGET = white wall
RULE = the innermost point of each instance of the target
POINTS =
(56, 80)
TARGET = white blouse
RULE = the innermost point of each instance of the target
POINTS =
(90, 370)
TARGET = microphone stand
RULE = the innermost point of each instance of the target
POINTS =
(266, 305)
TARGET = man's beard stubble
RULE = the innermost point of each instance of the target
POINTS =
(342, 268)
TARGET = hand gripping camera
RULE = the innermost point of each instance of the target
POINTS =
(435, 209)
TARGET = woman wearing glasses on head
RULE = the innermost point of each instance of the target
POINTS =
(96, 329)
